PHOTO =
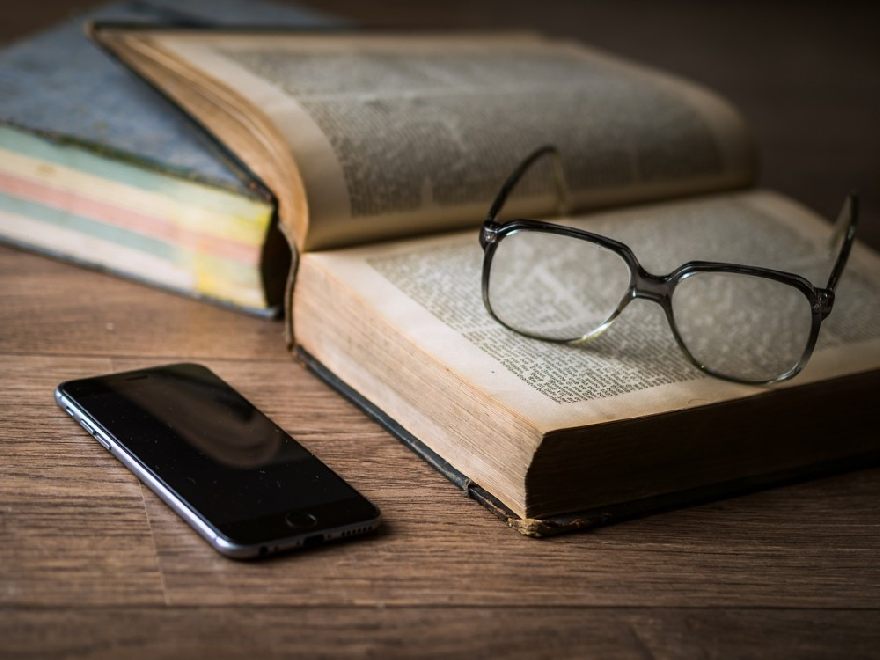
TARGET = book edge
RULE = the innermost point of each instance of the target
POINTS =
(588, 519)
(271, 312)
(100, 150)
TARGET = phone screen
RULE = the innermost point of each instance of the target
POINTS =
(230, 463)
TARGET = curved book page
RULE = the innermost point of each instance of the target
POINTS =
(404, 135)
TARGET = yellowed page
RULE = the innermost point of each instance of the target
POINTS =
(429, 291)
(397, 135)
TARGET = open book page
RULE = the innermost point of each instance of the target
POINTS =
(429, 291)
(397, 135)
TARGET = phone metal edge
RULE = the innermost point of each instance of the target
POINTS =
(214, 537)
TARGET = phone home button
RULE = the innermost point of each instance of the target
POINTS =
(300, 520)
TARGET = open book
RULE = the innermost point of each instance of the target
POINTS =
(384, 153)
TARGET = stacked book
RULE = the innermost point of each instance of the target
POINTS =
(97, 167)
(359, 167)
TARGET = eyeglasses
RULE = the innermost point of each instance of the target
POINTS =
(736, 322)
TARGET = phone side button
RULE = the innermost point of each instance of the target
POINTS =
(91, 429)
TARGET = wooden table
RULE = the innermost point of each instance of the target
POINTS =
(93, 564)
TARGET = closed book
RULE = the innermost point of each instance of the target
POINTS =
(98, 168)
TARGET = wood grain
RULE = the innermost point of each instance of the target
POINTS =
(451, 552)
(50, 309)
(73, 526)
(92, 564)
(416, 632)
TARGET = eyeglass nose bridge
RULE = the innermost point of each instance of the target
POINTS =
(652, 287)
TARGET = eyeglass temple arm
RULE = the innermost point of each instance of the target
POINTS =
(562, 195)
(843, 237)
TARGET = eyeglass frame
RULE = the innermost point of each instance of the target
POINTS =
(661, 288)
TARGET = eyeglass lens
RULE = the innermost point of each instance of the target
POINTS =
(555, 287)
(742, 326)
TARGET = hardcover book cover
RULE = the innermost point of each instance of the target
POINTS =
(60, 84)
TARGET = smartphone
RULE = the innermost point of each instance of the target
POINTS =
(247, 487)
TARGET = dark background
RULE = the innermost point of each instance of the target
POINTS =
(806, 75)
